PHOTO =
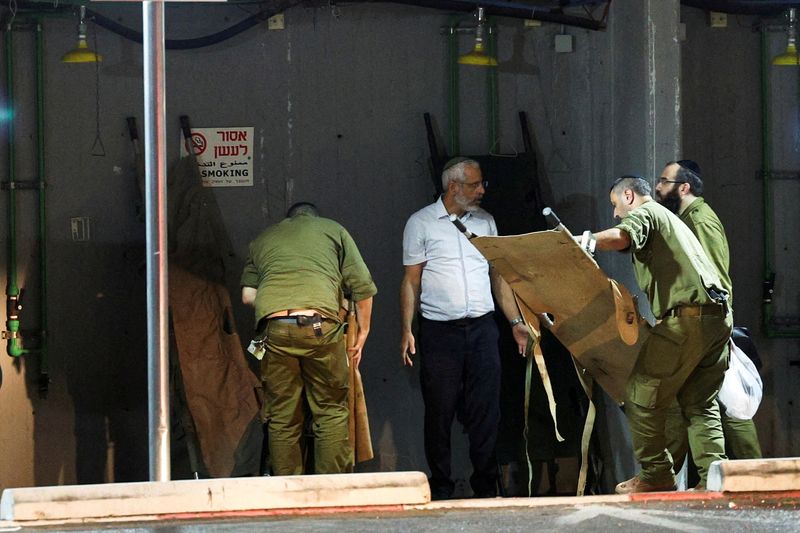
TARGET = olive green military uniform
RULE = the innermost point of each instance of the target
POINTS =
(302, 263)
(685, 356)
(741, 438)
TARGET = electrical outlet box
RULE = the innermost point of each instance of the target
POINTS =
(276, 22)
(531, 23)
(717, 19)
(80, 229)
(563, 43)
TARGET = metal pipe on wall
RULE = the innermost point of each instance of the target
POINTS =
(13, 292)
(13, 306)
(155, 154)
(453, 103)
(491, 90)
(452, 93)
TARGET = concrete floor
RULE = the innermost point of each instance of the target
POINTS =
(740, 513)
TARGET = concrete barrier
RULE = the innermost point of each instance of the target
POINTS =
(755, 475)
(116, 500)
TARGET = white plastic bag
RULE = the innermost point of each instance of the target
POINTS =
(741, 389)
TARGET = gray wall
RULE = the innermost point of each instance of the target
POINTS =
(337, 104)
(722, 131)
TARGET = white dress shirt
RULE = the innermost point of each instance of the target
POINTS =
(455, 278)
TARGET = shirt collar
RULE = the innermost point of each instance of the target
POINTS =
(696, 203)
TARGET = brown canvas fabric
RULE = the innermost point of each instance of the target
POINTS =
(594, 317)
(221, 390)
(360, 439)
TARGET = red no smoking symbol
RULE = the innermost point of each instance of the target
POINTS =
(199, 143)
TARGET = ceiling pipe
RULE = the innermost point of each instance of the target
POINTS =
(501, 8)
(743, 7)
(492, 7)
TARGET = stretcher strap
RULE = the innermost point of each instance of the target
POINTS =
(528, 376)
(587, 383)
(533, 352)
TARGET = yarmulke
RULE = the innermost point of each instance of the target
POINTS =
(690, 165)
(454, 161)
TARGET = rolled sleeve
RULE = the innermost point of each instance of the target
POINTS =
(638, 225)
(250, 277)
(355, 274)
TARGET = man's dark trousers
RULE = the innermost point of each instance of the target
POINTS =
(461, 362)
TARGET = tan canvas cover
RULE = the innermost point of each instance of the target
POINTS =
(221, 390)
(594, 317)
(360, 438)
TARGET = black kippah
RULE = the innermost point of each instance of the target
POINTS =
(688, 164)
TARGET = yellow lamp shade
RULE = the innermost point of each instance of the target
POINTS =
(477, 57)
(788, 58)
(81, 54)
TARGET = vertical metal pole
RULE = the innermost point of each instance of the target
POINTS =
(494, 101)
(156, 246)
(452, 94)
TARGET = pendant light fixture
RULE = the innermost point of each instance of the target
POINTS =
(478, 56)
(81, 53)
(789, 57)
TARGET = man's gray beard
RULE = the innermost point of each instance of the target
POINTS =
(463, 204)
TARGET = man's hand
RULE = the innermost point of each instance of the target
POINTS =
(354, 352)
(586, 241)
(408, 348)
(249, 295)
(520, 332)
(409, 303)
(363, 321)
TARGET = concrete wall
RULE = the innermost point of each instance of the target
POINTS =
(722, 131)
(336, 100)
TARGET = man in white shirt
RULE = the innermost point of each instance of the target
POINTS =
(448, 281)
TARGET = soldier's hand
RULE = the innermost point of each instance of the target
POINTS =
(354, 353)
(408, 348)
(586, 241)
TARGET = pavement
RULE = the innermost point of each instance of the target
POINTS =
(400, 502)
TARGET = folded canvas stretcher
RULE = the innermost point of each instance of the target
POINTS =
(593, 316)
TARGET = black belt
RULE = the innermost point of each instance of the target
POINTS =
(696, 310)
(461, 322)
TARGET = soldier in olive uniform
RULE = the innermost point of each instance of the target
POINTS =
(685, 356)
(679, 189)
(293, 277)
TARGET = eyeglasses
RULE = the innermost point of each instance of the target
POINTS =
(475, 184)
(663, 181)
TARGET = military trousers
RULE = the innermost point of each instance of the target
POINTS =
(741, 437)
(299, 363)
(684, 359)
